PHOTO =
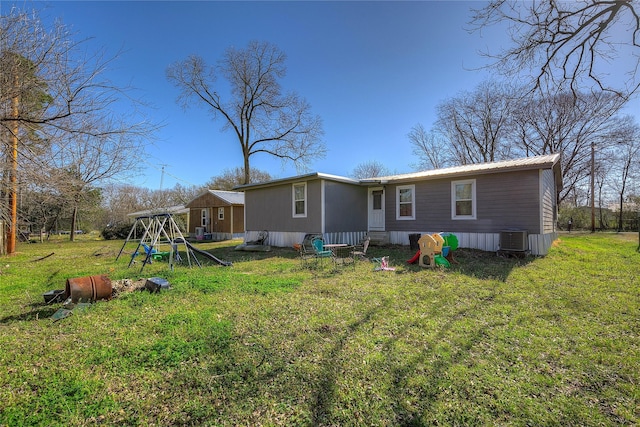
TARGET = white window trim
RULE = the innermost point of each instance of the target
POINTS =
(413, 202)
(473, 200)
(220, 214)
(293, 197)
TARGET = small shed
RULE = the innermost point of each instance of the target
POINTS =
(217, 215)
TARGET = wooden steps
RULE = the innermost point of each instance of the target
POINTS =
(378, 238)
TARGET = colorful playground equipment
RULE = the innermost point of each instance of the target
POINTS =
(161, 229)
(435, 250)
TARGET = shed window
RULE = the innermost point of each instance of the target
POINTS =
(300, 200)
(463, 199)
(220, 214)
(204, 218)
(405, 206)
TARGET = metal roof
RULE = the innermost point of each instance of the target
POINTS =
(305, 177)
(231, 197)
(536, 162)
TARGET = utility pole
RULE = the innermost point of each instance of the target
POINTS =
(162, 176)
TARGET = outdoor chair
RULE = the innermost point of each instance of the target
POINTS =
(320, 251)
(305, 249)
(360, 250)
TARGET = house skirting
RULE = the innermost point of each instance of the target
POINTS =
(218, 237)
(290, 238)
(539, 244)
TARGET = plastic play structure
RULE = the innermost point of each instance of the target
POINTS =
(161, 229)
(383, 264)
(435, 250)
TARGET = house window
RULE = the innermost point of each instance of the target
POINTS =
(406, 206)
(300, 200)
(220, 214)
(463, 199)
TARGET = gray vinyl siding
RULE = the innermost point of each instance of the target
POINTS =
(345, 207)
(507, 200)
(548, 197)
(271, 209)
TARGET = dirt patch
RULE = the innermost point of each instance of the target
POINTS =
(126, 285)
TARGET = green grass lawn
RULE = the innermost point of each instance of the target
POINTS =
(490, 341)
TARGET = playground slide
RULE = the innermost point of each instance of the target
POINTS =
(415, 258)
(208, 255)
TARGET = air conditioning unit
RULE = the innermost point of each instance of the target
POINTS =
(514, 240)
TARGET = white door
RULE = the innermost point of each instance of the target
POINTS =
(376, 209)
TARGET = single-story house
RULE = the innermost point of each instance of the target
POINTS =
(217, 215)
(491, 206)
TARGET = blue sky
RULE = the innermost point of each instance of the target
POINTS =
(370, 70)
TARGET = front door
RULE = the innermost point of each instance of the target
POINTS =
(376, 209)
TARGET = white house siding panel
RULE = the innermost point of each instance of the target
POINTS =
(281, 239)
(350, 238)
(482, 241)
(289, 238)
(539, 244)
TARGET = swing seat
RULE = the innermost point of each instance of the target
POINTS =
(159, 256)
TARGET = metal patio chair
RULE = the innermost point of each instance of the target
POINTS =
(360, 251)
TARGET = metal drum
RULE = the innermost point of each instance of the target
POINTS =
(88, 289)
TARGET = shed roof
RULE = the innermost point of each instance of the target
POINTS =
(231, 197)
(228, 197)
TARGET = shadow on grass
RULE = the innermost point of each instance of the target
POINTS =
(37, 311)
(470, 262)
(324, 396)
(228, 253)
(439, 365)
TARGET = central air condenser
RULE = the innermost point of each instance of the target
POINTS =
(514, 240)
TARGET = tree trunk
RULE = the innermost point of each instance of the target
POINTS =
(13, 181)
(247, 172)
(593, 188)
(74, 218)
(620, 216)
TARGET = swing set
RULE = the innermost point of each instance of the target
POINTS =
(159, 230)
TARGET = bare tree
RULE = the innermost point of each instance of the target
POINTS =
(626, 162)
(476, 123)
(369, 169)
(578, 125)
(562, 41)
(61, 101)
(430, 148)
(262, 117)
(230, 178)
(83, 161)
